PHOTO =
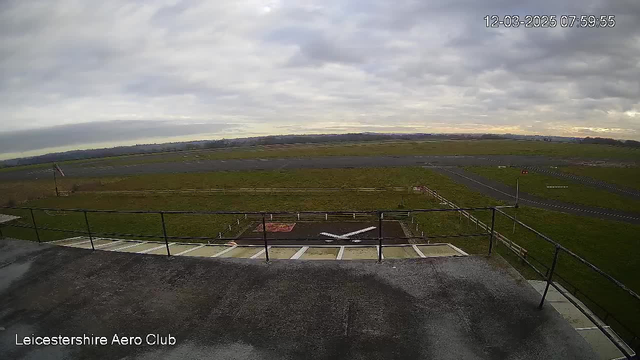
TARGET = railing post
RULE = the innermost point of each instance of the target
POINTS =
(493, 223)
(35, 226)
(164, 232)
(86, 220)
(379, 236)
(553, 266)
(264, 237)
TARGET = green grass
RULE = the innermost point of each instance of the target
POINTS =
(623, 176)
(311, 178)
(536, 184)
(25, 190)
(186, 225)
(447, 147)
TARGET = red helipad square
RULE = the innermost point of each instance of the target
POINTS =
(276, 227)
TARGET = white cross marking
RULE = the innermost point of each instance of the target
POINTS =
(347, 235)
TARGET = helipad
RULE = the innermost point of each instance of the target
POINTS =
(323, 251)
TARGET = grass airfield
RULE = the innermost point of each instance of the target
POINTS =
(611, 245)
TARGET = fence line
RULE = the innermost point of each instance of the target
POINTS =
(464, 212)
(522, 253)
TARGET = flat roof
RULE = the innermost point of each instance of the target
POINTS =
(426, 308)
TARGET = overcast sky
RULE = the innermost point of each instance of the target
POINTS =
(213, 69)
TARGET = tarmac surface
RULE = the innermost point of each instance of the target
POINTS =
(309, 233)
(432, 308)
(620, 190)
(500, 191)
(290, 163)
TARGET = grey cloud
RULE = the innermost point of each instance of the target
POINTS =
(100, 132)
(275, 63)
(320, 49)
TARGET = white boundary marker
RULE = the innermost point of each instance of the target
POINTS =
(78, 243)
(67, 239)
(415, 247)
(591, 328)
(107, 244)
(378, 252)
(152, 249)
(190, 250)
(299, 253)
(340, 253)
(458, 250)
(259, 253)
(129, 246)
(224, 251)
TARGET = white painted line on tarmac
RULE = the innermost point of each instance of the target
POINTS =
(418, 251)
(78, 243)
(591, 328)
(190, 250)
(299, 253)
(57, 241)
(152, 249)
(340, 253)
(128, 246)
(224, 251)
(107, 244)
(458, 250)
(259, 253)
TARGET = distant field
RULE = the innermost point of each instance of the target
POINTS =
(445, 147)
(449, 147)
(536, 184)
(301, 178)
(623, 176)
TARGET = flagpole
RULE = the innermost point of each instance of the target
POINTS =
(55, 180)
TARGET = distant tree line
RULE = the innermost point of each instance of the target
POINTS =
(315, 139)
(609, 141)
(280, 140)
(220, 144)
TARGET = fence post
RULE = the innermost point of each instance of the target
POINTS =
(379, 236)
(553, 266)
(164, 232)
(493, 223)
(264, 237)
(35, 226)
(86, 220)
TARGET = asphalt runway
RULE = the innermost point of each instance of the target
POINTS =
(468, 307)
(585, 180)
(500, 191)
(290, 163)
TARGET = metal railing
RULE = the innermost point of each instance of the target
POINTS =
(525, 257)
(377, 215)
(551, 272)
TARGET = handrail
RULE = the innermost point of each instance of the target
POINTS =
(574, 255)
(379, 215)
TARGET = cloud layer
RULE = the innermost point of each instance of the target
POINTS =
(276, 66)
